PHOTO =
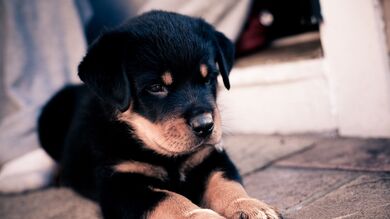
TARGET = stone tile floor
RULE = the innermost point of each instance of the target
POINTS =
(316, 177)
(304, 176)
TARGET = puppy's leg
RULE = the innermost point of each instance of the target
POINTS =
(177, 206)
(132, 196)
(229, 198)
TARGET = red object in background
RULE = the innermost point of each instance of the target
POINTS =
(272, 19)
(253, 37)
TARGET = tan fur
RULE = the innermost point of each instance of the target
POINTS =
(229, 199)
(221, 192)
(170, 137)
(141, 168)
(217, 131)
(167, 78)
(203, 70)
(176, 206)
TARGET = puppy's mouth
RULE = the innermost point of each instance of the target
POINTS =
(168, 150)
(172, 149)
(172, 137)
(202, 144)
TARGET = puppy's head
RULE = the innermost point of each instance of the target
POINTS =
(159, 71)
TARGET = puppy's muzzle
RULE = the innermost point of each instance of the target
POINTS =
(202, 125)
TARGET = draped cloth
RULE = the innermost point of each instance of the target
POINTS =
(41, 43)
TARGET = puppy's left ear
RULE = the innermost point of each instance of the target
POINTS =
(102, 70)
(225, 57)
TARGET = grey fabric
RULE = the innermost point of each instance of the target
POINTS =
(41, 44)
(227, 16)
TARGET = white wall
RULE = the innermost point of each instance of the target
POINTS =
(357, 66)
(292, 97)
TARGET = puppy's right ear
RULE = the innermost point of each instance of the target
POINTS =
(225, 57)
(103, 70)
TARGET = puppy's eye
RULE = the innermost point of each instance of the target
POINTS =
(157, 89)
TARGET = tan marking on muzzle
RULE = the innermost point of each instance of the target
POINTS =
(141, 168)
(203, 70)
(167, 78)
(216, 135)
(171, 137)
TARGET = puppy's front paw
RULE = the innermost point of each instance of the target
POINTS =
(203, 214)
(249, 208)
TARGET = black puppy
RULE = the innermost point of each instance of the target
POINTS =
(142, 137)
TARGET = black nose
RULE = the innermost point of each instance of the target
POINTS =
(202, 125)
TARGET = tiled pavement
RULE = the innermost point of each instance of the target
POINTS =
(316, 177)
(304, 176)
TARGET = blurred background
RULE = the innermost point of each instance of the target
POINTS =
(333, 79)
(305, 70)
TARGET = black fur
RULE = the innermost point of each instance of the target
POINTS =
(79, 126)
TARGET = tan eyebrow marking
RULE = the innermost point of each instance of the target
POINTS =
(203, 70)
(167, 78)
(141, 168)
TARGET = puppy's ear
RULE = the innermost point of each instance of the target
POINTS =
(225, 57)
(102, 70)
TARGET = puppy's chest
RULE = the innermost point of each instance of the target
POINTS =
(183, 172)
(184, 178)
(180, 173)
(170, 173)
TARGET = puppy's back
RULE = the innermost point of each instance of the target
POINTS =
(55, 119)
